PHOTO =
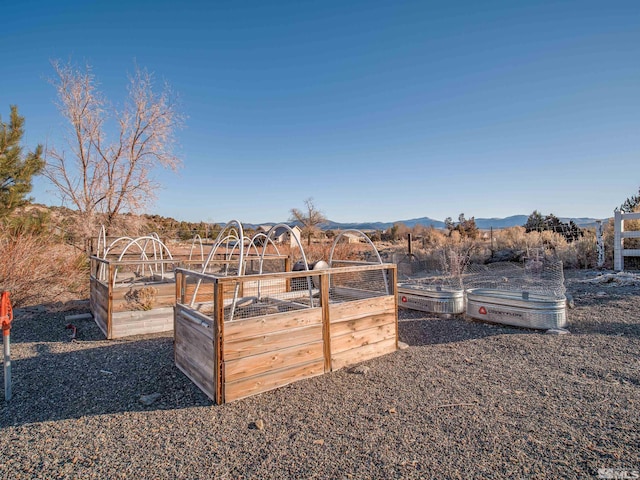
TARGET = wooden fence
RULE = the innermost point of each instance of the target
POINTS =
(619, 252)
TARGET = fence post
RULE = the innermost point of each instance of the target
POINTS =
(618, 259)
(600, 243)
(326, 321)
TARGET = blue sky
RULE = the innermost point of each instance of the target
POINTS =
(379, 111)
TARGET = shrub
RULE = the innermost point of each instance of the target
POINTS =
(38, 269)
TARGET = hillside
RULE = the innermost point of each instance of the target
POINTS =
(482, 223)
(61, 215)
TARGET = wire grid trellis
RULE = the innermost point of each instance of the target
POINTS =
(444, 269)
(142, 272)
(270, 264)
(349, 286)
(247, 298)
(222, 267)
(148, 250)
(536, 275)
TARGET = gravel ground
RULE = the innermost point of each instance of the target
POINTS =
(465, 400)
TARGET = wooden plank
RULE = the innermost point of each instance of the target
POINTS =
(120, 330)
(394, 292)
(264, 325)
(100, 312)
(156, 303)
(138, 316)
(340, 312)
(101, 320)
(194, 354)
(326, 322)
(197, 381)
(218, 342)
(162, 289)
(102, 296)
(130, 330)
(250, 288)
(96, 301)
(631, 216)
(130, 323)
(99, 287)
(165, 300)
(273, 379)
(303, 274)
(361, 338)
(631, 234)
(194, 341)
(196, 317)
(630, 252)
(259, 344)
(110, 301)
(355, 324)
(99, 293)
(164, 295)
(356, 293)
(367, 352)
(205, 292)
(273, 360)
(178, 288)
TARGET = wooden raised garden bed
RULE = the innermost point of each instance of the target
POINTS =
(259, 332)
(135, 297)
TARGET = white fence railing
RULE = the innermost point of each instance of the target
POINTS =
(619, 252)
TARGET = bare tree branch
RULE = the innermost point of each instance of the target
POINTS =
(309, 219)
(108, 177)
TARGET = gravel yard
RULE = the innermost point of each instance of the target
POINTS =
(465, 400)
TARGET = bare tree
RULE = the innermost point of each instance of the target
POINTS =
(310, 218)
(102, 176)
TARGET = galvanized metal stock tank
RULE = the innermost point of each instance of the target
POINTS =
(520, 309)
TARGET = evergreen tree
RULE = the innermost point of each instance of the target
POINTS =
(16, 170)
(465, 227)
(631, 204)
(535, 222)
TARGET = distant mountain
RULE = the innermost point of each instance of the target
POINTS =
(329, 225)
(583, 222)
(481, 223)
(512, 221)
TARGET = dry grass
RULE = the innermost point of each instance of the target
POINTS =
(41, 269)
(38, 269)
(438, 247)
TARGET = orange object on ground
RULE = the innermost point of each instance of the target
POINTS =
(6, 313)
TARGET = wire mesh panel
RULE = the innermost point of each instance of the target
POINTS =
(433, 284)
(536, 275)
(443, 270)
(267, 264)
(352, 285)
(247, 297)
(530, 294)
